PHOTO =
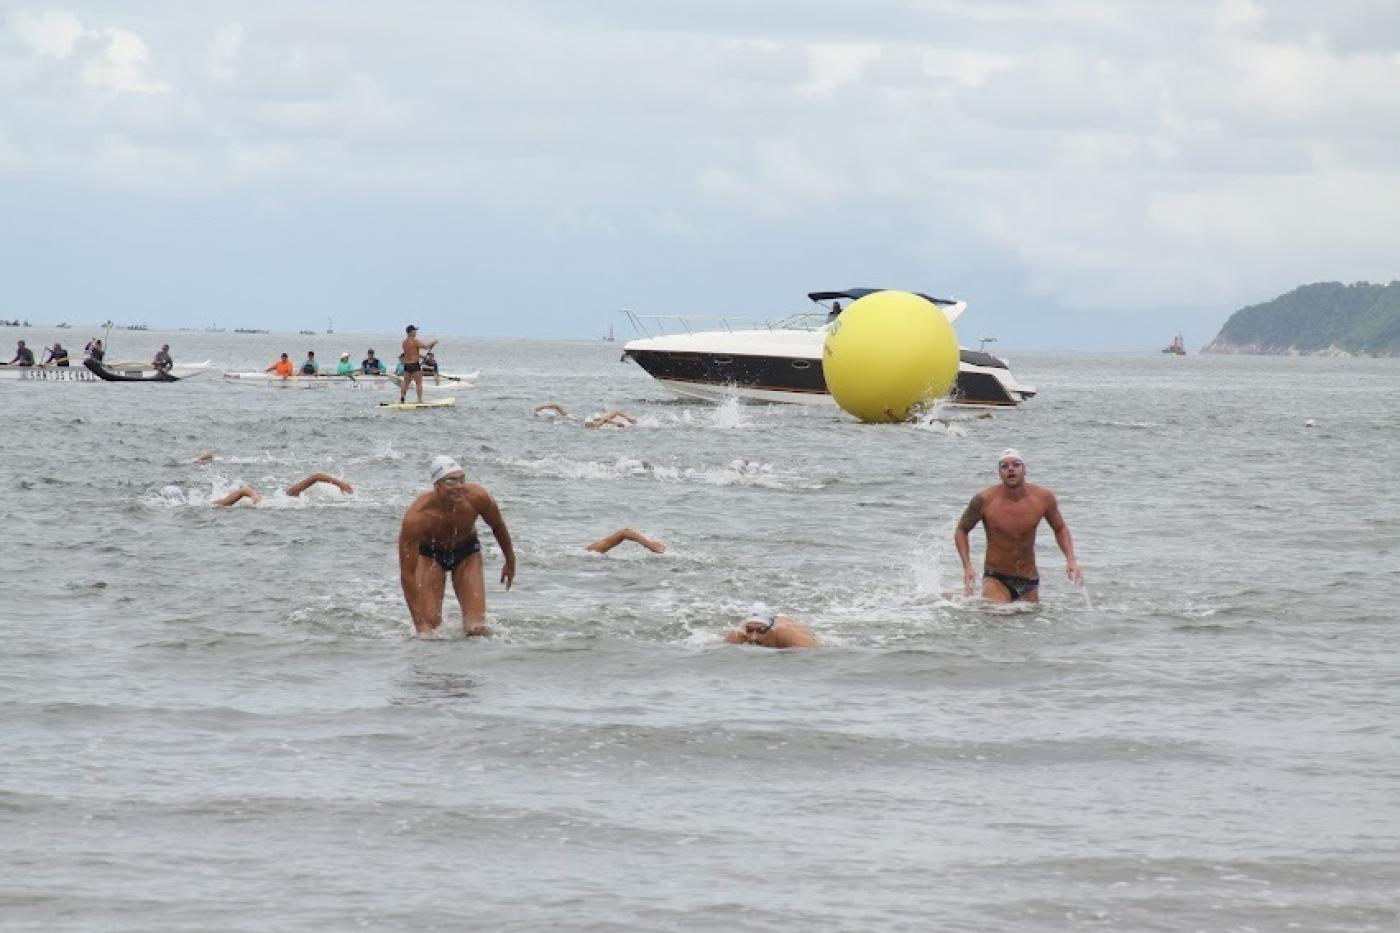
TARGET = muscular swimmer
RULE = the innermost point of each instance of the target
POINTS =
(1010, 514)
(438, 538)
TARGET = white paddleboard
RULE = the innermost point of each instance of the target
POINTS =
(410, 406)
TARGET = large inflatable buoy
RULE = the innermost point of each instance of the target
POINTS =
(888, 353)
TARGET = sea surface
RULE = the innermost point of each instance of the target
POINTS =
(218, 719)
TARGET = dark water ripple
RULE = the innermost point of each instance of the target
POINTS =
(217, 720)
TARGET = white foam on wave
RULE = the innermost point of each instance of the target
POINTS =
(386, 452)
(746, 473)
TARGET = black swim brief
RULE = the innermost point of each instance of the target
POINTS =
(449, 558)
(1020, 587)
(412, 368)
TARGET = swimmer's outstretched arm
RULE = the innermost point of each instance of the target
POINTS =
(613, 419)
(242, 492)
(204, 457)
(554, 407)
(603, 545)
(301, 486)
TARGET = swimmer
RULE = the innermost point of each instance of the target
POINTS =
(767, 629)
(438, 538)
(552, 408)
(604, 545)
(613, 419)
(296, 489)
(205, 457)
(1010, 514)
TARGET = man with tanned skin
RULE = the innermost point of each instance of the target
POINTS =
(439, 538)
(413, 363)
(1010, 514)
(768, 629)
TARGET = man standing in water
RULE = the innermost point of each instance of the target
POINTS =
(1010, 514)
(413, 363)
(439, 538)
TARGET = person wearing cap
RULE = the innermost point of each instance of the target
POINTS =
(162, 362)
(283, 367)
(1010, 514)
(767, 629)
(372, 365)
(57, 355)
(412, 362)
(345, 367)
(438, 538)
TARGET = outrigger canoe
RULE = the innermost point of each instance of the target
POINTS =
(354, 381)
(143, 372)
(92, 371)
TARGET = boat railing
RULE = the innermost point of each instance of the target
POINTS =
(662, 325)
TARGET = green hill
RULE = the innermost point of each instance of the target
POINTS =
(1322, 318)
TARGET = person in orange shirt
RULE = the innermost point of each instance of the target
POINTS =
(282, 367)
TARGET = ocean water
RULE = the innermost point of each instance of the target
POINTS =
(217, 719)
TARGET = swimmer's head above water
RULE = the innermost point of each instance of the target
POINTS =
(446, 475)
(1011, 467)
(760, 620)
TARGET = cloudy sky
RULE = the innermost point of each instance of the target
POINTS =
(1084, 173)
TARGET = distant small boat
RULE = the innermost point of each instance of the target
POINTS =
(309, 333)
(64, 326)
(1177, 347)
(248, 330)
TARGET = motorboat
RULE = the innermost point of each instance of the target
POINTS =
(782, 361)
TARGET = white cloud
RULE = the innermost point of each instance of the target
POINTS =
(53, 33)
(834, 65)
(121, 65)
(223, 51)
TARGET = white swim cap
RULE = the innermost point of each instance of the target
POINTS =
(761, 614)
(442, 466)
(1010, 453)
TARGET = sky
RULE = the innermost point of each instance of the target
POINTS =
(1086, 175)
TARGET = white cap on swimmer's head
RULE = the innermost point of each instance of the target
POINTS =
(1010, 453)
(762, 615)
(443, 466)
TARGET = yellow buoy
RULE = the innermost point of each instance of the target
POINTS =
(888, 353)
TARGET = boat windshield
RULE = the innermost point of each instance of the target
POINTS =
(803, 320)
